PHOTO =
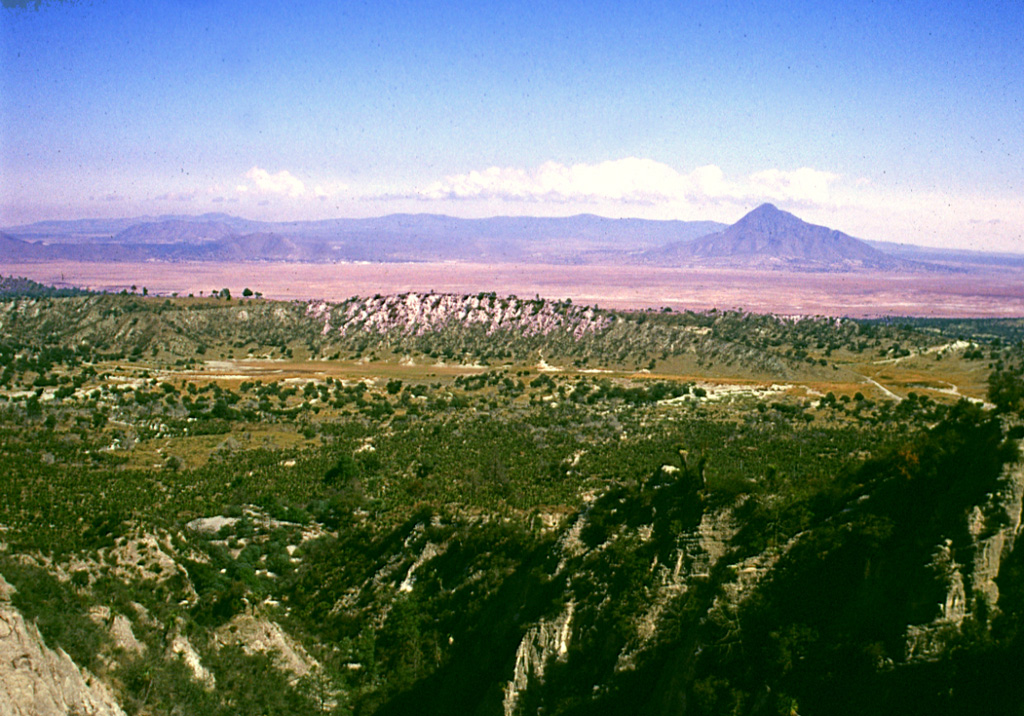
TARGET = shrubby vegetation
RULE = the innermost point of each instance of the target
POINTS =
(712, 509)
(17, 287)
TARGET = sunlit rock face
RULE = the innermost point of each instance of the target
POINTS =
(417, 314)
(38, 681)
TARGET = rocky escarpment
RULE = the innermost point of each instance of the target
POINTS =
(545, 641)
(477, 329)
(971, 587)
(417, 314)
(36, 680)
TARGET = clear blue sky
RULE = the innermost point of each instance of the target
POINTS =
(899, 121)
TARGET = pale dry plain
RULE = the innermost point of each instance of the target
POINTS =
(993, 293)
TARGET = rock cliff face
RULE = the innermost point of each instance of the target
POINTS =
(993, 548)
(266, 637)
(416, 314)
(972, 587)
(38, 681)
(544, 642)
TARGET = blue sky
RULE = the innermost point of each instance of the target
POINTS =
(892, 121)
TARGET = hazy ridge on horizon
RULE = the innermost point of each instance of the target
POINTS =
(766, 237)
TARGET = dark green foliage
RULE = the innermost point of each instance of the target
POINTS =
(414, 532)
(251, 684)
(246, 684)
(837, 605)
(342, 472)
(221, 595)
(11, 287)
(153, 684)
(58, 609)
(1006, 390)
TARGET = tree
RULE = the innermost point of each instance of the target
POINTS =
(1005, 390)
(225, 294)
(343, 470)
(247, 292)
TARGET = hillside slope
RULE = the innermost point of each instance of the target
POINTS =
(431, 503)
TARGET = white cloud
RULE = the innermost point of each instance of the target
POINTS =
(802, 185)
(284, 182)
(177, 196)
(632, 181)
(710, 182)
(628, 180)
(328, 189)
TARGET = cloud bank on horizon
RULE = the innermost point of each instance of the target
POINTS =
(901, 122)
(628, 187)
(632, 181)
(634, 187)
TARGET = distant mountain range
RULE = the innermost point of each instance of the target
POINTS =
(765, 238)
(398, 237)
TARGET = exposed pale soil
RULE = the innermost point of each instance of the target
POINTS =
(995, 293)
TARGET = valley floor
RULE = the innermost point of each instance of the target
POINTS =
(991, 293)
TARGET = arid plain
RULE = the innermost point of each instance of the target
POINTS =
(989, 293)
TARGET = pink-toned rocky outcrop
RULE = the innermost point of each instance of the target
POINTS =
(416, 314)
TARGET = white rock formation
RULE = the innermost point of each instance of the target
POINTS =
(417, 314)
(992, 549)
(38, 681)
(260, 636)
(928, 641)
(182, 648)
(545, 641)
